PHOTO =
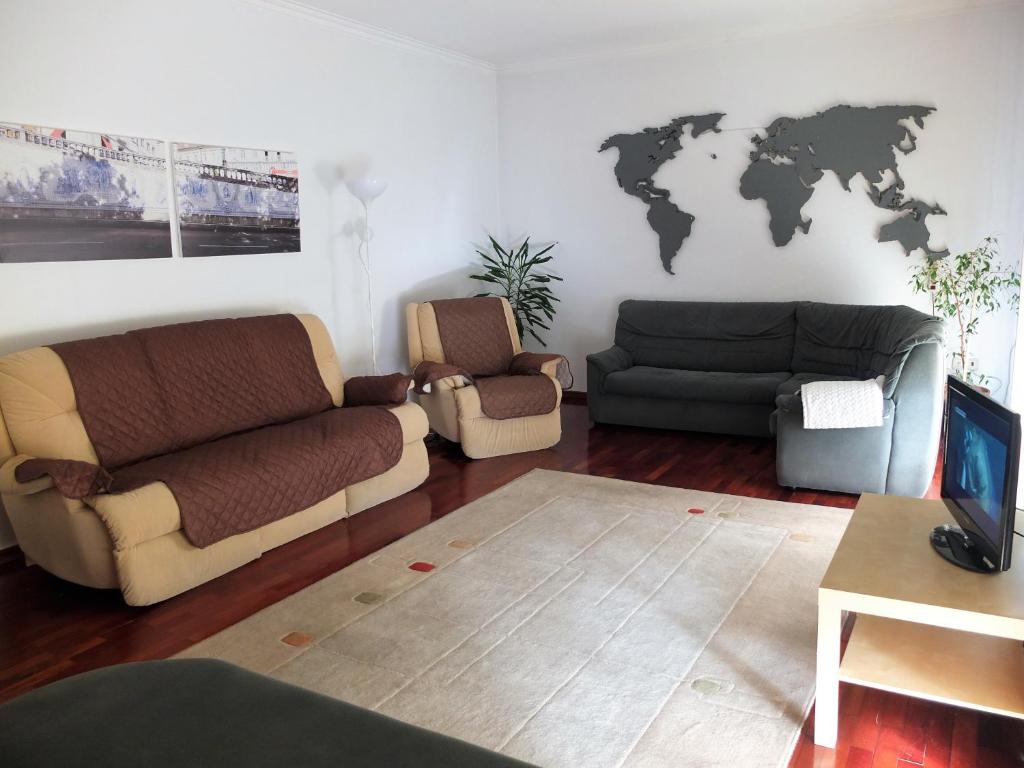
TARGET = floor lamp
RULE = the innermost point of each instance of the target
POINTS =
(368, 190)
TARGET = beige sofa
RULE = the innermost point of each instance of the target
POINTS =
(453, 403)
(133, 541)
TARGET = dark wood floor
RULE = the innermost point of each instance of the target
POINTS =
(50, 629)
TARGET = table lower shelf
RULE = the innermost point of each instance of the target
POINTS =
(945, 665)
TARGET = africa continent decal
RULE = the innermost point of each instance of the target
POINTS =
(792, 157)
(787, 160)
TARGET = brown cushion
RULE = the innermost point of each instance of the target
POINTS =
(392, 389)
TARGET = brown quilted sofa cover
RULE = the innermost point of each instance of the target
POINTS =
(134, 540)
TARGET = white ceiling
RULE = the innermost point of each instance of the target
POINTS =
(517, 33)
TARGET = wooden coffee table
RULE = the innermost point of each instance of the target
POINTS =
(924, 627)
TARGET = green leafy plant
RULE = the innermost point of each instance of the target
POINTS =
(514, 273)
(964, 288)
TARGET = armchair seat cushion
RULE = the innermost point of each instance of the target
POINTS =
(512, 397)
(706, 386)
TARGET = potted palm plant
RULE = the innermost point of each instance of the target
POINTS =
(963, 289)
(515, 276)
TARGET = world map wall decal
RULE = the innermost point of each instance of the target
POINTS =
(786, 162)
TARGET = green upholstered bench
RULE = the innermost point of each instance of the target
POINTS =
(202, 712)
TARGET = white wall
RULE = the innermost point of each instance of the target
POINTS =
(242, 73)
(231, 72)
(555, 185)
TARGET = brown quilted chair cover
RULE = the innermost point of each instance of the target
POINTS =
(474, 334)
(476, 340)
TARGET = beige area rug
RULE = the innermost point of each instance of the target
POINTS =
(573, 621)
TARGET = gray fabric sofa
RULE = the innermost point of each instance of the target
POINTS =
(737, 368)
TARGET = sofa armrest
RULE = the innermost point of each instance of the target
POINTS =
(535, 363)
(10, 485)
(916, 432)
(795, 404)
(789, 403)
(447, 384)
(392, 389)
(430, 377)
(413, 420)
(600, 365)
(613, 359)
(74, 479)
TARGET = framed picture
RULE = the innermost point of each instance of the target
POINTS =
(69, 195)
(236, 201)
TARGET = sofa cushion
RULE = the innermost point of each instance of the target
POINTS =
(709, 386)
(791, 386)
(741, 337)
(244, 481)
(151, 511)
(860, 342)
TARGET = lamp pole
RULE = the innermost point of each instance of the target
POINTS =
(368, 190)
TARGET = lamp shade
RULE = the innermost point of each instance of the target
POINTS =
(366, 189)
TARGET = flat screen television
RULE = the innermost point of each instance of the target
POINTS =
(979, 480)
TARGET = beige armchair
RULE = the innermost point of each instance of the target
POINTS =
(479, 390)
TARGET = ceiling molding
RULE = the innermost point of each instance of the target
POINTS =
(527, 65)
(369, 32)
(605, 53)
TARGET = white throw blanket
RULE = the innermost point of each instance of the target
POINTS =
(843, 404)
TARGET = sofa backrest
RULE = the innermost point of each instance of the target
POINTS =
(40, 410)
(742, 337)
(862, 341)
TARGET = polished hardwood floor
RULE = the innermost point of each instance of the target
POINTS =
(50, 629)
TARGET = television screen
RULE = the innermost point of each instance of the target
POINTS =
(979, 470)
